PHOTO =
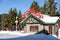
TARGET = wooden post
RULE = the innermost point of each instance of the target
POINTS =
(16, 23)
(57, 27)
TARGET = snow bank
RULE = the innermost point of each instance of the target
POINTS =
(14, 33)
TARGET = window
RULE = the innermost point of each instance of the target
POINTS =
(33, 28)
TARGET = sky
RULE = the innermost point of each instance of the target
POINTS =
(22, 5)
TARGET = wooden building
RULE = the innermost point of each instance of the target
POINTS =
(34, 22)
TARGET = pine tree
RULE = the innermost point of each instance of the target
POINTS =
(44, 8)
(51, 8)
(0, 20)
(12, 17)
(20, 18)
(35, 6)
(4, 22)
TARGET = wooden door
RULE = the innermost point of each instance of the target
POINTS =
(50, 30)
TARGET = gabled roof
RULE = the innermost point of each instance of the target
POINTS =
(36, 18)
(32, 11)
(46, 19)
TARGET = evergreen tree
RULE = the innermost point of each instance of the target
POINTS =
(19, 18)
(9, 17)
(4, 22)
(0, 20)
(58, 12)
(51, 8)
(35, 6)
(44, 8)
(12, 17)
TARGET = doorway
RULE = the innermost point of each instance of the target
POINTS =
(50, 29)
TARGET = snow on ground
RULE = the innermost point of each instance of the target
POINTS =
(56, 36)
(41, 36)
(15, 34)
(5, 36)
(12, 34)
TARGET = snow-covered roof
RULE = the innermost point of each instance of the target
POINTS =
(41, 16)
(48, 19)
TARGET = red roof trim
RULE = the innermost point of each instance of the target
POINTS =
(32, 11)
